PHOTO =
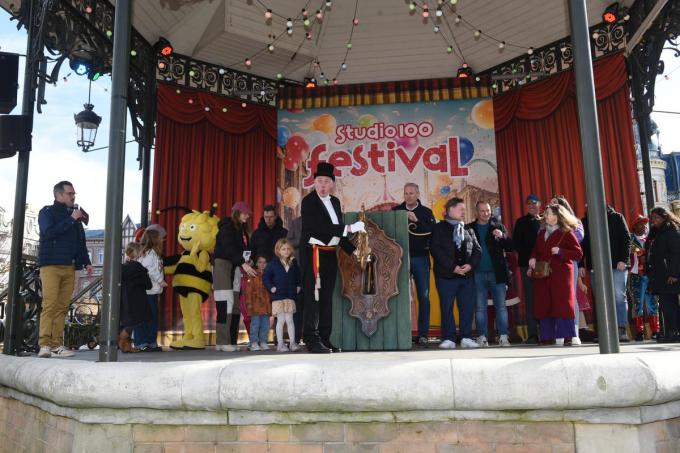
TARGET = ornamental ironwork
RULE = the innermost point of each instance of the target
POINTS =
(556, 57)
(646, 63)
(83, 29)
(187, 72)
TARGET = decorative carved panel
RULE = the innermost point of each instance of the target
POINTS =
(369, 289)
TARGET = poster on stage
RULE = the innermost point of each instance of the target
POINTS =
(446, 147)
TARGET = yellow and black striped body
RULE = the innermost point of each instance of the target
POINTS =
(187, 276)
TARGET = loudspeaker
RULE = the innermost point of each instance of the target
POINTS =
(14, 134)
(9, 75)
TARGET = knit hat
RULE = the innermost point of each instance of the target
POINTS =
(243, 207)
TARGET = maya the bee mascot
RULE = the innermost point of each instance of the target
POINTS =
(193, 273)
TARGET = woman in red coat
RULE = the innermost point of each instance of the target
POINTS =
(554, 295)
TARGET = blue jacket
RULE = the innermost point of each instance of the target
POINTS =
(62, 239)
(286, 283)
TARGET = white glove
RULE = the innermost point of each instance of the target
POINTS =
(357, 226)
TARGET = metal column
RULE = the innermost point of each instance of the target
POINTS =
(15, 307)
(108, 351)
(592, 163)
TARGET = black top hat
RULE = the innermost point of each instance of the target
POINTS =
(325, 169)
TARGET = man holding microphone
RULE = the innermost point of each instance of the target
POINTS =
(61, 251)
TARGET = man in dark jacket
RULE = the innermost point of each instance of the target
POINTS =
(619, 248)
(322, 232)
(269, 230)
(492, 274)
(61, 251)
(420, 224)
(456, 254)
(524, 237)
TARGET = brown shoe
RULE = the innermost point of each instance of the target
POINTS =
(125, 342)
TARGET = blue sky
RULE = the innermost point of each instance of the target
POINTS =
(55, 155)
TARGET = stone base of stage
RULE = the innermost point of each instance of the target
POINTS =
(350, 402)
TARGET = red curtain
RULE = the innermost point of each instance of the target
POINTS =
(207, 155)
(538, 143)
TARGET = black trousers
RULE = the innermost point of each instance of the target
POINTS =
(671, 313)
(318, 315)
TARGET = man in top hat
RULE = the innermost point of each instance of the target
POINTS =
(638, 282)
(322, 232)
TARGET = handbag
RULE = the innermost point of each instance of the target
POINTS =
(542, 268)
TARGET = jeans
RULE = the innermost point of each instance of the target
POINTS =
(528, 286)
(464, 290)
(146, 333)
(420, 269)
(620, 278)
(259, 329)
(485, 282)
(642, 300)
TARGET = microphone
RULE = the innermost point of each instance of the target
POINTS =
(85, 219)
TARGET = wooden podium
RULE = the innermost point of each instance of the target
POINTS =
(372, 306)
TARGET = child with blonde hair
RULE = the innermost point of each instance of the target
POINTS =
(282, 279)
(152, 249)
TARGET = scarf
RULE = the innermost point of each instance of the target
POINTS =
(458, 232)
(550, 229)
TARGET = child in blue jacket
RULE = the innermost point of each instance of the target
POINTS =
(282, 279)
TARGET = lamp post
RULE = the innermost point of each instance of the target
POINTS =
(87, 123)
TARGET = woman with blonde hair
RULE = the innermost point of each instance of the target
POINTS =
(552, 270)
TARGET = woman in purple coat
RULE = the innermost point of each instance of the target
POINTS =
(554, 295)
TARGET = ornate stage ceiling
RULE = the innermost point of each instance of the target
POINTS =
(390, 42)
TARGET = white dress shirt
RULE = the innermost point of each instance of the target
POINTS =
(334, 218)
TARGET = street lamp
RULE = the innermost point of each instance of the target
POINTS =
(87, 123)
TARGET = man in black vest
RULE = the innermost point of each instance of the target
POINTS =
(322, 232)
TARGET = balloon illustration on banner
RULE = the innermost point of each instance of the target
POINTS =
(291, 197)
(467, 150)
(324, 123)
(290, 164)
(282, 136)
(408, 143)
(482, 114)
(367, 120)
(438, 208)
(297, 151)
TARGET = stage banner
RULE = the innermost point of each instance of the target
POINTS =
(447, 148)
